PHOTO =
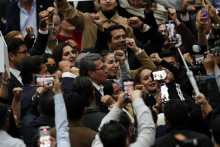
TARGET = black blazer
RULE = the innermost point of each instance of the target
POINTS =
(102, 108)
(13, 82)
(13, 14)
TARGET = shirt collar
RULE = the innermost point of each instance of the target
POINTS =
(19, 3)
(115, 18)
(97, 86)
(15, 72)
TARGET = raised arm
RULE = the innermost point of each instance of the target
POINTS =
(61, 121)
(72, 15)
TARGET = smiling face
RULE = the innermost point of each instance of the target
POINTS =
(118, 40)
(116, 91)
(107, 5)
(69, 54)
(145, 79)
(111, 65)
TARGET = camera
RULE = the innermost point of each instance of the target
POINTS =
(216, 50)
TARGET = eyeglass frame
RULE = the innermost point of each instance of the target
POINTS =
(102, 68)
(23, 52)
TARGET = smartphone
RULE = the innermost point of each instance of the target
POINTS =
(199, 58)
(205, 10)
(128, 85)
(44, 132)
(158, 75)
(164, 93)
(171, 32)
(43, 80)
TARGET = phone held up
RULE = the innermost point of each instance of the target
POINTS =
(43, 80)
(171, 31)
(44, 132)
(159, 75)
(128, 85)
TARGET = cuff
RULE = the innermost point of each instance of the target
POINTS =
(147, 29)
(68, 74)
(185, 17)
(43, 32)
(139, 51)
(210, 76)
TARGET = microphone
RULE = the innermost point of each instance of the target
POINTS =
(197, 48)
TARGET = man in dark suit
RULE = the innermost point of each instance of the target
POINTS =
(13, 15)
(17, 50)
(31, 122)
(91, 65)
(176, 119)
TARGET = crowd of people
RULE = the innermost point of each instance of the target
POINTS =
(110, 73)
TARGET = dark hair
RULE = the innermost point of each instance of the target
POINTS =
(112, 28)
(168, 53)
(4, 113)
(58, 51)
(88, 50)
(47, 55)
(14, 44)
(74, 106)
(105, 53)
(84, 87)
(108, 88)
(111, 136)
(46, 103)
(125, 120)
(176, 112)
(31, 65)
(87, 63)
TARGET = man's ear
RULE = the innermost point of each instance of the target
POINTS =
(167, 122)
(109, 45)
(11, 56)
(91, 74)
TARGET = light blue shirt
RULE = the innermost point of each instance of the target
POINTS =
(61, 122)
(28, 19)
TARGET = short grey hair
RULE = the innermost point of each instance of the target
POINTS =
(87, 63)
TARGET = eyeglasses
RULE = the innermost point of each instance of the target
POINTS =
(102, 68)
(23, 52)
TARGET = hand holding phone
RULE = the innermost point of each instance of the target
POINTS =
(44, 132)
(128, 85)
(158, 75)
(43, 80)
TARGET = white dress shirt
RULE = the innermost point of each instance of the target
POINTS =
(99, 88)
(16, 73)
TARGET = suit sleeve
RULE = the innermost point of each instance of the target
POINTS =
(39, 45)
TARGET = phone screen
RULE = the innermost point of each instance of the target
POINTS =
(171, 32)
(43, 80)
(128, 85)
(158, 75)
(164, 93)
(199, 58)
(45, 136)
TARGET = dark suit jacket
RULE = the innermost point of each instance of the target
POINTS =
(13, 14)
(168, 140)
(98, 102)
(92, 118)
(30, 124)
(13, 82)
(26, 99)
